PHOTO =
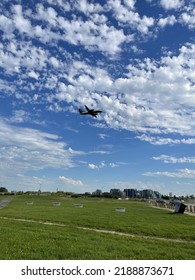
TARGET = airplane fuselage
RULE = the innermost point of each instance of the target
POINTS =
(91, 112)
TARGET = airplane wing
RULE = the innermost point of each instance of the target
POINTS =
(88, 109)
(93, 114)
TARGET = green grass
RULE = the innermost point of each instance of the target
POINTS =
(28, 240)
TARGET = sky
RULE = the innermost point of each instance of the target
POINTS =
(132, 59)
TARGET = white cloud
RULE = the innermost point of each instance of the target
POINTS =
(94, 33)
(172, 4)
(62, 4)
(92, 166)
(55, 63)
(99, 152)
(92, 36)
(150, 96)
(170, 20)
(49, 14)
(88, 8)
(125, 14)
(21, 23)
(33, 74)
(188, 16)
(146, 106)
(172, 159)
(19, 116)
(21, 182)
(143, 114)
(157, 140)
(70, 181)
(144, 24)
(24, 149)
(130, 3)
(113, 165)
(181, 173)
(103, 165)
(23, 55)
(103, 136)
(7, 26)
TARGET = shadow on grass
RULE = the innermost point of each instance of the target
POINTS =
(176, 214)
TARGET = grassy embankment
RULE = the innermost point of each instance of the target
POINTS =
(67, 239)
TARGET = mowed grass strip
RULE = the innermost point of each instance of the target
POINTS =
(25, 240)
(139, 218)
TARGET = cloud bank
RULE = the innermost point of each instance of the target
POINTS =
(147, 96)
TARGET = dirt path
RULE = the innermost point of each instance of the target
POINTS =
(101, 231)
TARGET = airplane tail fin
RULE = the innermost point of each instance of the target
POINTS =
(80, 111)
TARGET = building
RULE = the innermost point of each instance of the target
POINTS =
(147, 193)
(116, 193)
(157, 195)
(134, 193)
(98, 192)
(131, 193)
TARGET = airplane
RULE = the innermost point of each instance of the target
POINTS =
(91, 112)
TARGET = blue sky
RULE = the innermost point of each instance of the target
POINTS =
(134, 60)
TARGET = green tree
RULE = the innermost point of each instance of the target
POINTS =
(4, 190)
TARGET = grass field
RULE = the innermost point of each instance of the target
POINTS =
(44, 231)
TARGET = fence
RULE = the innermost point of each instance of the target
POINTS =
(189, 208)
